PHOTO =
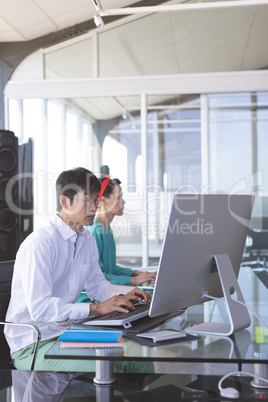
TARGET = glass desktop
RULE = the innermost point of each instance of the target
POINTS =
(248, 346)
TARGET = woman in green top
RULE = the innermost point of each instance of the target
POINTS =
(111, 204)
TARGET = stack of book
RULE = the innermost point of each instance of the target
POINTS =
(91, 338)
(147, 288)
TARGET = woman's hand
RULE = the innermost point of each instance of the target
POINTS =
(139, 277)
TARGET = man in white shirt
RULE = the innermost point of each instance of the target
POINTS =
(52, 266)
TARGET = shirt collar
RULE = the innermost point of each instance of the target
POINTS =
(64, 230)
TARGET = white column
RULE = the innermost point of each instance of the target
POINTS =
(144, 150)
(96, 54)
(205, 144)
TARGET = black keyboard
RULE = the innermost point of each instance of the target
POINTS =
(117, 315)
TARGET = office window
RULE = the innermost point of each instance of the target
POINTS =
(121, 150)
(230, 135)
(117, 166)
(174, 159)
(238, 144)
(238, 141)
(62, 138)
(262, 138)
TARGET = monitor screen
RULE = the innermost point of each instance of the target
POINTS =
(200, 226)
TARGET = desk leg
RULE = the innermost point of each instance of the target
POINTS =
(262, 371)
(104, 372)
(104, 393)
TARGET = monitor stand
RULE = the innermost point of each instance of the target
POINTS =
(237, 313)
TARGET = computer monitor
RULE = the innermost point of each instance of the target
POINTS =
(202, 252)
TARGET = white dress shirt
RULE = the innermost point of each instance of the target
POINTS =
(52, 266)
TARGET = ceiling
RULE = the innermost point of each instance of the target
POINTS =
(23, 20)
(213, 40)
(209, 40)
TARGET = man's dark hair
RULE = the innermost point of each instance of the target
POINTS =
(110, 186)
(70, 182)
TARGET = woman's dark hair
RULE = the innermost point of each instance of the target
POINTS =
(70, 182)
(110, 186)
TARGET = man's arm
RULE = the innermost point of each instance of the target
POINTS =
(38, 275)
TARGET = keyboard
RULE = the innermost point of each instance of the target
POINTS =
(117, 315)
(118, 318)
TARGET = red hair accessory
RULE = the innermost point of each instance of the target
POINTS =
(104, 184)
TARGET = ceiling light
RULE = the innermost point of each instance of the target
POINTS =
(98, 21)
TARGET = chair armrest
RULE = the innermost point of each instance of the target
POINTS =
(38, 336)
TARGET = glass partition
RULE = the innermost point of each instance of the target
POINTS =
(62, 137)
(121, 151)
(174, 159)
(97, 131)
(238, 142)
(74, 60)
(178, 42)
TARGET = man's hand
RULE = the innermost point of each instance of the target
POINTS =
(139, 277)
(122, 303)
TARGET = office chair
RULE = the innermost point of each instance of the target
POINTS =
(6, 273)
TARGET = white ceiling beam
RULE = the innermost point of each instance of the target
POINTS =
(177, 7)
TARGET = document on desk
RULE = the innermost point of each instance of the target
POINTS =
(162, 335)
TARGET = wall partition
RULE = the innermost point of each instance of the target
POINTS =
(222, 152)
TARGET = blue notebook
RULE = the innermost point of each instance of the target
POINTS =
(90, 335)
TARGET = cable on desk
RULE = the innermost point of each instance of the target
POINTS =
(232, 392)
(205, 294)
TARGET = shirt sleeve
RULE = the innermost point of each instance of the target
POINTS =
(120, 276)
(117, 279)
(96, 233)
(123, 271)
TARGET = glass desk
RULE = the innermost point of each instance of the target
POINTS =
(248, 346)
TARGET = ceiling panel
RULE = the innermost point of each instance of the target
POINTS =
(24, 15)
(67, 19)
(61, 7)
(20, 19)
(42, 28)
(8, 33)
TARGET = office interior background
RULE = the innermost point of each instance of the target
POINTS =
(171, 101)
